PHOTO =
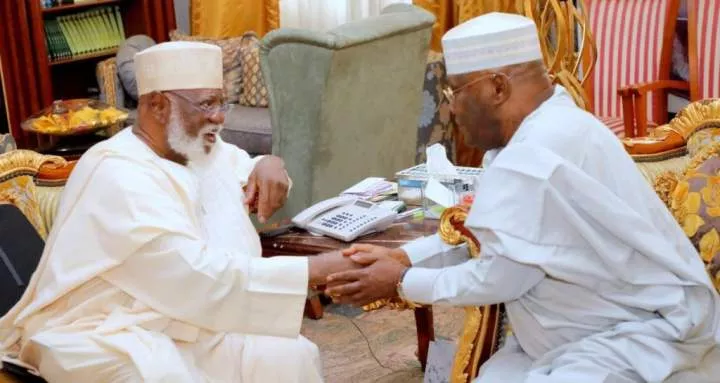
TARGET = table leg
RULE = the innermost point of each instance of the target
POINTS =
(313, 307)
(425, 332)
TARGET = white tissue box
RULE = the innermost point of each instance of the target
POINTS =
(412, 181)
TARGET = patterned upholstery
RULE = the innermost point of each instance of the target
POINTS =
(629, 37)
(254, 92)
(695, 203)
(705, 17)
(48, 200)
(232, 61)
(18, 169)
(436, 124)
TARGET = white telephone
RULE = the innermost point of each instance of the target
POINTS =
(344, 218)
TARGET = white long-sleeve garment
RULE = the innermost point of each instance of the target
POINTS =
(599, 282)
(153, 272)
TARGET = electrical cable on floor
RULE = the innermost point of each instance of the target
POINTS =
(367, 341)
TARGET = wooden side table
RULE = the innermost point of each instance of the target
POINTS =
(300, 242)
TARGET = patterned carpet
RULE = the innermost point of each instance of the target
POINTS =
(379, 346)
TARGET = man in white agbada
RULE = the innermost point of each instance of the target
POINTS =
(153, 270)
(599, 282)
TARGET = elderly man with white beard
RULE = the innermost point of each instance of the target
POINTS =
(153, 270)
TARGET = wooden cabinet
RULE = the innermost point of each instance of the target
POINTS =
(31, 81)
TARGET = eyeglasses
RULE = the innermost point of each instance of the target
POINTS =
(207, 108)
(450, 93)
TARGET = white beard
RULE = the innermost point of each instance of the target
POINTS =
(195, 149)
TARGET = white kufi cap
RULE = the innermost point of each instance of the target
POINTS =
(179, 65)
(489, 41)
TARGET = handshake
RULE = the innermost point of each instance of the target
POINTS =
(360, 274)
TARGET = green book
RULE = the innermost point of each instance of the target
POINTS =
(67, 30)
(121, 28)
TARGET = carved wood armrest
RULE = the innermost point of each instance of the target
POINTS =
(58, 172)
(635, 105)
(646, 87)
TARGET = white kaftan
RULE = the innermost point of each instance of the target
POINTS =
(599, 281)
(153, 272)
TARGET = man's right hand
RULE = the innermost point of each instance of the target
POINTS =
(378, 251)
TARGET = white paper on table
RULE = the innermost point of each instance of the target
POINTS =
(438, 193)
(365, 186)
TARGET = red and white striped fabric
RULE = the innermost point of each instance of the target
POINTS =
(617, 125)
(629, 39)
(707, 19)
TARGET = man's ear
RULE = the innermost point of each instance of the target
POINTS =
(159, 107)
(501, 89)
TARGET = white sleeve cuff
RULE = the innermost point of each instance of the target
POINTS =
(418, 284)
(423, 248)
(277, 290)
(431, 252)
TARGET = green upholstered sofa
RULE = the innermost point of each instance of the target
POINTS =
(345, 104)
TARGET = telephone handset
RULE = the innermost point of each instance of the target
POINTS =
(344, 218)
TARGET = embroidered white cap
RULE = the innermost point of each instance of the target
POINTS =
(179, 65)
(492, 40)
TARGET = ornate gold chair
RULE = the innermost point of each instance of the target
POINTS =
(33, 183)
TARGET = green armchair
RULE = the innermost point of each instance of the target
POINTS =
(345, 104)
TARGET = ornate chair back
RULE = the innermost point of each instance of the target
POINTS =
(704, 49)
(634, 38)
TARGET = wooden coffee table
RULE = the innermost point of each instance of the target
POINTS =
(300, 242)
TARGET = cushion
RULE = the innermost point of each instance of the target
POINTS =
(254, 92)
(20, 250)
(125, 59)
(695, 203)
(617, 124)
(232, 60)
(249, 129)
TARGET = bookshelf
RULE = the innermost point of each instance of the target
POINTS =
(71, 7)
(41, 64)
(105, 53)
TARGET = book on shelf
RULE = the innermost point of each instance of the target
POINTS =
(55, 3)
(84, 33)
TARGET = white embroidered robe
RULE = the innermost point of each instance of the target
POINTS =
(153, 273)
(599, 281)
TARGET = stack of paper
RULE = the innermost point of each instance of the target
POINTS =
(371, 188)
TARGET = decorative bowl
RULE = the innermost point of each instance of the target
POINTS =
(74, 117)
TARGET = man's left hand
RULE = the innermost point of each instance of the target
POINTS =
(267, 187)
(359, 287)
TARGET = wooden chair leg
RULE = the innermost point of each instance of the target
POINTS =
(313, 307)
(425, 332)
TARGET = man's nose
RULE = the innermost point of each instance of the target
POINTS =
(217, 118)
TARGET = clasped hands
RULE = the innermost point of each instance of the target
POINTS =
(358, 275)
(361, 274)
